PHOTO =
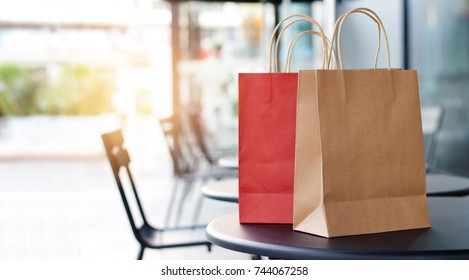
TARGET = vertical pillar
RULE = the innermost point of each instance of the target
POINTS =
(276, 12)
(405, 39)
(176, 55)
(330, 16)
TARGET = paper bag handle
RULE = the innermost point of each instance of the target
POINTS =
(295, 39)
(338, 28)
(285, 28)
(272, 39)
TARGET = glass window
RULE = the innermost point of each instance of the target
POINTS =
(439, 50)
(220, 40)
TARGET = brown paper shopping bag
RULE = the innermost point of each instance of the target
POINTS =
(359, 164)
(267, 117)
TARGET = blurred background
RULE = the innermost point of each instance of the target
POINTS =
(72, 70)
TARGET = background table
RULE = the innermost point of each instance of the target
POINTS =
(229, 162)
(437, 185)
(224, 190)
(447, 239)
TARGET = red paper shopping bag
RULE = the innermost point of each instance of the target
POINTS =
(267, 109)
(267, 118)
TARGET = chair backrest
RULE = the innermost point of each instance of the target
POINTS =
(119, 158)
(432, 119)
(182, 154)
(199, 135)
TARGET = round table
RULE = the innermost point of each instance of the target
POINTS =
(229, 162)
(447, 239)
(224, 190)
(437, 185)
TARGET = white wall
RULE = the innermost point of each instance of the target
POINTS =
(359, 34)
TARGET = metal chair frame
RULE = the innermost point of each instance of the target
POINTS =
(146, 234)
(187, 163)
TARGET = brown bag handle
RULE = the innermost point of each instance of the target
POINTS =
(272, 39)
(296, 38)
(338, 28)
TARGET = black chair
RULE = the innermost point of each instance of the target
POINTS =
(146, 235)
(211, 155)
(188, 165)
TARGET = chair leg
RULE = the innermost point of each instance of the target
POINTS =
(198, 206)
(140, 253)
(169, 210)
(184, 194)
(197, 210)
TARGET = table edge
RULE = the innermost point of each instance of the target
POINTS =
(275, 251)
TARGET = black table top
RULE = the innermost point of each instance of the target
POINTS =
(447, 239)
(440, 184)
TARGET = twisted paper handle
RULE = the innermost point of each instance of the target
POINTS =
(274, 53)
(338, 30)
(296, 38)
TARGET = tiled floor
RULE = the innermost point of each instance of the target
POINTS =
(69, 208)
